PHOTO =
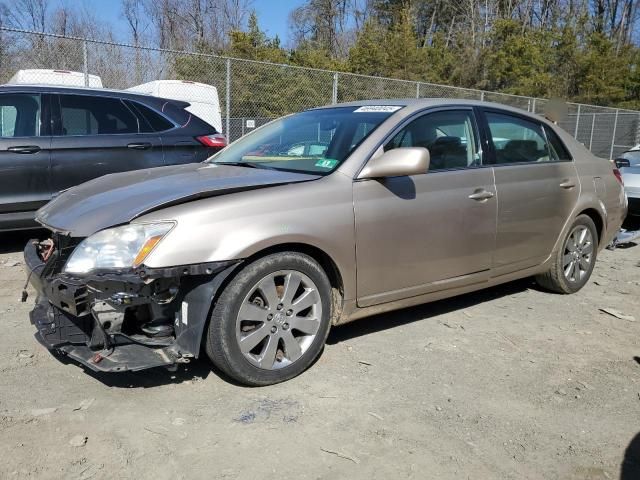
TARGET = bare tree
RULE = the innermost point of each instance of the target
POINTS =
(196, 24)
(326, 24)
(26, 14)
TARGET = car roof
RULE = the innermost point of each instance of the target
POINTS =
(97, 92)
(419, 103)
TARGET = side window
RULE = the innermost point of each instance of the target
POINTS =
(517, 140)
(560, 151)
(88, 115)
(150, 121)
(449, 135)
(19, 115)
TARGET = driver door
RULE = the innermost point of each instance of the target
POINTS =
(423, 233)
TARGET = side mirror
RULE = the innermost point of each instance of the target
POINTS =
(397, 162)
(622, 162)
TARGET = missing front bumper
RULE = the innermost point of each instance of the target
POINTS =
(68, 320)
(72, 336)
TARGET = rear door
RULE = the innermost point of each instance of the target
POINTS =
(179, 139)
(537, 188)
(24, 152)
(94, 136)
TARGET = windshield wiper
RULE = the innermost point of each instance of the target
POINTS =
(244, 164)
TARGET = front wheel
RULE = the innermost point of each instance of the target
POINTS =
(574, 261)
(272, 320)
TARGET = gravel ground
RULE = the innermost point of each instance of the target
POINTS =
(508, 383)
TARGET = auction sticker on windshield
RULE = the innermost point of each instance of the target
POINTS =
(377, 108)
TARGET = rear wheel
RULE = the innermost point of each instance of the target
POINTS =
(271, 322)
(574, 261)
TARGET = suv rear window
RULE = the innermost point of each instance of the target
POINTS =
(88, 115)
(150, 121)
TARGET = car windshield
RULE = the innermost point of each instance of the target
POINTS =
(633, 156)
(315, 141)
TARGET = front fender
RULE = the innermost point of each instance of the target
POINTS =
(318, 214)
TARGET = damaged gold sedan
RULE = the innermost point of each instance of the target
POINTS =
(313, 220)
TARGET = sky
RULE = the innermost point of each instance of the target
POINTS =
(273, 15)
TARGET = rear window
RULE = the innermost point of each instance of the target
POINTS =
(88, 115)
(556, 144)
(150, 120)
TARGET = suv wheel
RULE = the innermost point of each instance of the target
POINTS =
(272, 320)
(574, 261)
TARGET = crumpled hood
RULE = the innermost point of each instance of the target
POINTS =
(120, 197)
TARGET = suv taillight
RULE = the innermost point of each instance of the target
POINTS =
(618, 175)
(217, 140)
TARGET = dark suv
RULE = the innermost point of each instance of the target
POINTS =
(52, 138)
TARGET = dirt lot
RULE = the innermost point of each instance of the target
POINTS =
(507, 383)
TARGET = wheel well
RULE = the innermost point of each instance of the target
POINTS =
(597, 219)
(325, 261)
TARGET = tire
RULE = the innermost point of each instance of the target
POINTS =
(572, 255)
(259, 306)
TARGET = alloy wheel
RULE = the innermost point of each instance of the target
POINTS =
(278, 319)
(578, 254)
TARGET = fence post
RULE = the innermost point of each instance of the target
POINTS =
(334, 93)
(593, 124)
(417, 89)
(533, 105)
(575, 133)
(85, 63)
(482, 96)
(613, 137)
(228, 101)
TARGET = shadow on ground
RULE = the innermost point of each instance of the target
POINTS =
(202, 368)
(378, 323)
(154, 377)
(630, 468)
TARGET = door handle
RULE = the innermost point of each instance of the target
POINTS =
(568, 184)
(481, 195)
(24, 149)
(139, 146)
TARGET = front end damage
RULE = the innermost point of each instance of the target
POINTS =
(126, 320)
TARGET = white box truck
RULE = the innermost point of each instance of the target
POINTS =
(203, 98)
(39, 76)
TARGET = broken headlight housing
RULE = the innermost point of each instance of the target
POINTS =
(117, 248)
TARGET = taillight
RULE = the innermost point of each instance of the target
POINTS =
(618, 175)
(217, 140)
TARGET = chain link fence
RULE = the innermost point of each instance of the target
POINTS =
(253, 93)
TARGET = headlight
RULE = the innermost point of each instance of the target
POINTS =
(117, 248)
